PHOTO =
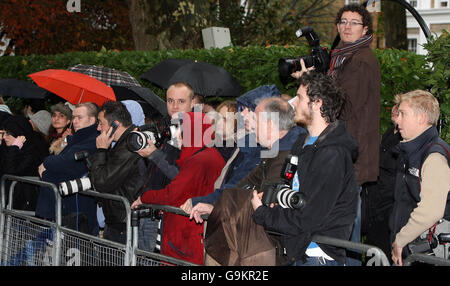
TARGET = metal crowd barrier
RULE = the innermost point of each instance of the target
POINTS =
(26, 240)
(424, 258)
(377, 256)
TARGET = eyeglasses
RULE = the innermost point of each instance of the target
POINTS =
(352, 23)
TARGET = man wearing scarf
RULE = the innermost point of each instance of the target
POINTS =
(355, 68)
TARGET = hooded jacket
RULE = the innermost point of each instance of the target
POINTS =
(328, 184)
(199, 168)
(23, 161)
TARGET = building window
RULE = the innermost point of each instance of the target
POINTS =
(413, 3)
(412, 45)
(444, 4)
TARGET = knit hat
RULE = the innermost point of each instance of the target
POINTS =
(42, 120)
(64, 109)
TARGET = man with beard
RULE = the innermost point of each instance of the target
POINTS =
(325, 177)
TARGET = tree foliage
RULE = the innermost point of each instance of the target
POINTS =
(177, 24)
(46, 27)
(264, 22)
(159, 25)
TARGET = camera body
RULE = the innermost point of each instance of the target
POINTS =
(319, 57)
(281, 192)
(157, 131)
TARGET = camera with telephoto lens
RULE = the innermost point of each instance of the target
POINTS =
(281, 192)
(81, 184)
(319, 57)
(74, 186)
(157, 131)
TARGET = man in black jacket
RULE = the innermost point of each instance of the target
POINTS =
(115, 170)
(325, 178)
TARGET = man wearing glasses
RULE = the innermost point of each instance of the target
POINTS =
(355, 68)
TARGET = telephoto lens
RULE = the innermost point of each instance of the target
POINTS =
(74, 186)
(137, 140)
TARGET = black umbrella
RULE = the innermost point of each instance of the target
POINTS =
(206, 79)
(151, 103)
(19, 88)
(160, 73)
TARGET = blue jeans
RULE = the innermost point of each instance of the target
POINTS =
(147, 232)
(316, 261)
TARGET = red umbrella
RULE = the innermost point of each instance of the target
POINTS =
(73, 86)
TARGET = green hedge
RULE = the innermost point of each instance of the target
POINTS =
(252, 66)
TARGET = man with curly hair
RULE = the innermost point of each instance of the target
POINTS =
(355, 68)
(325, 177)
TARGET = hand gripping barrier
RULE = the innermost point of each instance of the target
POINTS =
(28, 240)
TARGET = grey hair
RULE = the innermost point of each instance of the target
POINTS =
(276, 106)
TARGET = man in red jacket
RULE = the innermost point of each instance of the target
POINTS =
(199, 168)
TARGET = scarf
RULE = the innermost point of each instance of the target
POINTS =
(344, 51)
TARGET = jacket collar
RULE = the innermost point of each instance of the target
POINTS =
(82, 134)
(414, 145)
(125, 134)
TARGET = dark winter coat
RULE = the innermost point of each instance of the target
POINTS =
(116, 171)
(327, 182)
(23, 161)
(63, 167)
(360, 79)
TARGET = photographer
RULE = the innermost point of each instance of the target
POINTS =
(200, 166)
(115, 170)
(79, 211)
(162, 167)
(421, 197)
(356, 70)
(325, 178)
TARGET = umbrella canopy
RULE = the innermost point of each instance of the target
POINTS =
(206, 79)
(74, 87)
(160, 73)
(150, 102)
(107, 75)
(19, 88)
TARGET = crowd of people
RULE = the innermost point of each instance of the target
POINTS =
(223, 161)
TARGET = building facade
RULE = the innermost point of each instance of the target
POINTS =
(435, 13)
